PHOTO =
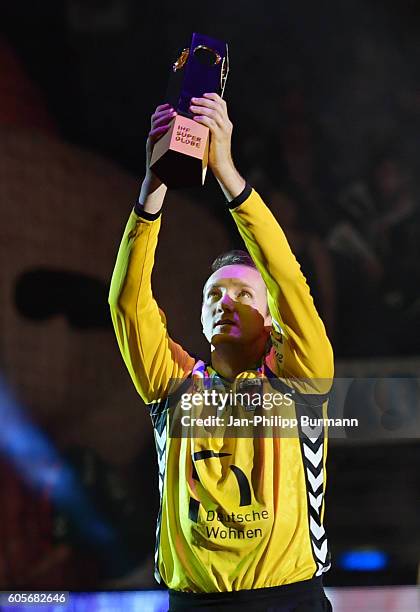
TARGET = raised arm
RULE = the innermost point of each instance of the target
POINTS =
(307, 350)
(153, 359)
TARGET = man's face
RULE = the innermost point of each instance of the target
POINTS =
(235, 306)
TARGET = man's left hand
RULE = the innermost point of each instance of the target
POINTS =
(211, 111)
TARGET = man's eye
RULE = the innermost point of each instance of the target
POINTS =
(245, 293)
(212, 293)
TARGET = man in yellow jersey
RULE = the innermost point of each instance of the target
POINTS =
(240, 524)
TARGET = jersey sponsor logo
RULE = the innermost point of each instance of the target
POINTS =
(240, 519)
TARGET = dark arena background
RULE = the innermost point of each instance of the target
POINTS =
(325, 102)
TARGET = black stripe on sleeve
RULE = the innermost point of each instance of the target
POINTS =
(240, 199)
(138, 209)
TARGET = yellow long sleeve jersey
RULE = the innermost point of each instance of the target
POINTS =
(235, 513)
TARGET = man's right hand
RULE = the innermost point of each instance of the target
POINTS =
(159, 124)
(152, 192)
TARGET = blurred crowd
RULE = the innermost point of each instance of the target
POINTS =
(356, 236)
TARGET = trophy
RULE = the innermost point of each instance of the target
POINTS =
(180, 156)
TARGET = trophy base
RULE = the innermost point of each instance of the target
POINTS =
(180, 156)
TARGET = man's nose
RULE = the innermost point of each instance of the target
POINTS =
(226, 302)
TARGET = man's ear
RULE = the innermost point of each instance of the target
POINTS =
(202, 325)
